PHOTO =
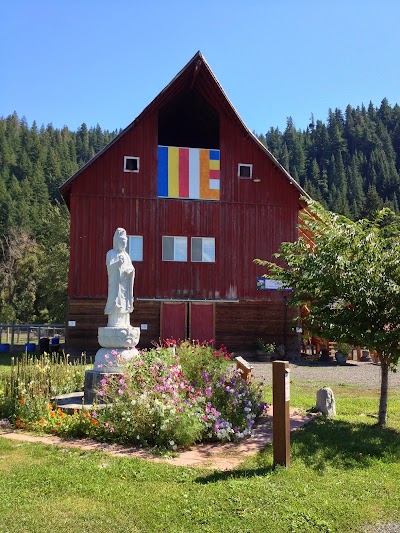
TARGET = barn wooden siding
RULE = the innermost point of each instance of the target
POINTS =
(250, 220)
(88, 313)
(237, 325)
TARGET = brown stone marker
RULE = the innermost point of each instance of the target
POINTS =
(281, 416)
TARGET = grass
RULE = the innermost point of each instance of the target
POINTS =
(344, 474)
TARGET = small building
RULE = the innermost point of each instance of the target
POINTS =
(200, 197)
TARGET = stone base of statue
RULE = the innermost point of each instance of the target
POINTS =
(123, 337)
(118, 345)
(93, 385)
(110, 359)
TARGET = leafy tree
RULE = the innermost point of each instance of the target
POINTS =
(19, 259)
(53, 270)
(349, 281)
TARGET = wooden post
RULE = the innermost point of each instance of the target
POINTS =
(281, 415)
(244, 367)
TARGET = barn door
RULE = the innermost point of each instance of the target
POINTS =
(173, 320)
(201, 321)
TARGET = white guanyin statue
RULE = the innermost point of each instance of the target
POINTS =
(118, 339)
(121, 277)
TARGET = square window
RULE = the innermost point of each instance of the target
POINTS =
(174, 248)
(135, 247)
(245, 171)
(131, 164)
(203, 249)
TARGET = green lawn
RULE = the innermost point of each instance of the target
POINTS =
(344, 474)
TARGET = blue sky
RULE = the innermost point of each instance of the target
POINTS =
(95, 61)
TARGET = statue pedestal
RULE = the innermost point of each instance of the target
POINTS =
(118, 345)
(92, 384)
(125, 337)
(108, 359)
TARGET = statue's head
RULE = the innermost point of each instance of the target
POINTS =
(120, 239)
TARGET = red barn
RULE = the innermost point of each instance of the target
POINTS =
(200, 197)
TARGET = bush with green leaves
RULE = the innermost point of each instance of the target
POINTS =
(171, 397)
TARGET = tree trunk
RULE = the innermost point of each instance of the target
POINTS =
(382, 418)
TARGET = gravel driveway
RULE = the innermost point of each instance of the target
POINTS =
(354, 372)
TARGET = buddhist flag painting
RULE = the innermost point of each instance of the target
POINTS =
(192, 173)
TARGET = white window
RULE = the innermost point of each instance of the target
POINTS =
(174, 248)
(245, 171)
(203, 250)
(131, 164)
(135, 247)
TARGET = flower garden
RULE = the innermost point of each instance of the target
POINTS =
(168, 397)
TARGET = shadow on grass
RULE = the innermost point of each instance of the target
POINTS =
(345, 445)
(235, 474)
(326, 443)
(322, 364)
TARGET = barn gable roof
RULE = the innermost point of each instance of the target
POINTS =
(196, 71)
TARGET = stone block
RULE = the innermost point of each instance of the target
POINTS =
(326, 401)
(92, 384)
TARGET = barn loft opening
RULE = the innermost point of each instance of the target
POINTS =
(188, 121)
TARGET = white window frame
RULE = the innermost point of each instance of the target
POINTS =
(135, 259)
(175, 237)
(128, 157)
(248, 165)
(203, 239)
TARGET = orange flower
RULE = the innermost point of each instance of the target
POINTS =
(50, 407)
(95, 422)
(75, 410)
(42, 421)
(22, 401)
(52, 413)
(58, 423)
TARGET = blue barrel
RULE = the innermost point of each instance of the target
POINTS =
(4, 347)
(30, 347)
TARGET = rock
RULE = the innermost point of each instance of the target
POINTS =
(326, 401)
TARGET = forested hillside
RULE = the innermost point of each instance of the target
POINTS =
(34, 223)
(350, 163)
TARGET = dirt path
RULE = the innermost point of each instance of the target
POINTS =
(214, 456)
